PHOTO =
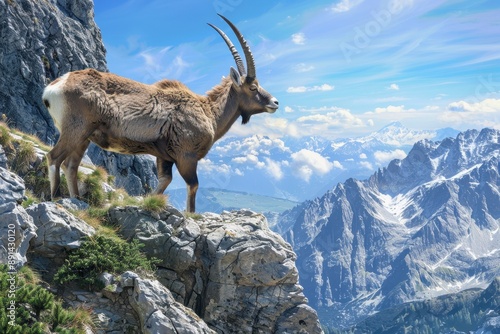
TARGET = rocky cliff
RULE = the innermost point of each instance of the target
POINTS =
(41, 40)
(223, 273)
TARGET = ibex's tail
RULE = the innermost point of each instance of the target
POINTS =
(53, 98)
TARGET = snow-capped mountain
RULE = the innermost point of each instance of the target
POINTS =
(302, 168)
(423, 226)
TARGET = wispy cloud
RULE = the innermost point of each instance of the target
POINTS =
(393, 87)
(302, 67)
(345, 5)
(304, 89)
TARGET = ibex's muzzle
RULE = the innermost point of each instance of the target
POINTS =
(272, 106)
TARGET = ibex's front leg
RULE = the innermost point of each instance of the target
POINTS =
(164, 168)
(187, 169)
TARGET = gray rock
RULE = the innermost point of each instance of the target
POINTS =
(58, 230)
(236, 274)
(11, 187)
(17, 230)
(160, 313)
(134, 173)
(41, 40)
(73, 204)
(3, 158)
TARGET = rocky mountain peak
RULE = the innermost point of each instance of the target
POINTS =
(423, 226)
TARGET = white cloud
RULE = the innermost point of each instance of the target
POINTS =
(321, 122)
(288, 109)
(366, 165)
(384, 157)
(302, 67)
(393, 109)
(305, 163)
(303, 89)
(273, 168)
(208, 166)
(345, 5)
(299, 38)
(363, 156)
(485, 113)
(393, 87)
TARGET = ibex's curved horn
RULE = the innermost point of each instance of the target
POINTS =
(246, 49)
(236, 55)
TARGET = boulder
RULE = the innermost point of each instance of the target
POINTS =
(235, 273)
(57, 229)
(16, 226)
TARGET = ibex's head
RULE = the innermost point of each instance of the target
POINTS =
(253, 99)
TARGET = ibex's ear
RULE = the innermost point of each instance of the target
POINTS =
(236, 77)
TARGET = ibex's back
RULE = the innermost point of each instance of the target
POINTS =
(165, 119)
(125, 116)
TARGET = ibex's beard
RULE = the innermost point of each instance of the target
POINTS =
(245, 118)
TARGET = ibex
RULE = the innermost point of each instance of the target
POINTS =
(165, 119)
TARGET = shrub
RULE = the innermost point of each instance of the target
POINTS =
(95, 195)
(36, 311)
(24, 157)
(99, 254)
(5, 137)
(154, 203)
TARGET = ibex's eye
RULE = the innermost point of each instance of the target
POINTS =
(253, 88)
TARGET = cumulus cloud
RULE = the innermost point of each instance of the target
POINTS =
(384, 157)
(273, 168)
(345, 5)
(304, 89)
(485, 113)
(393, 87)
(339, 118)
(208, 166)
(299, 38)
(305, 163)
(288, 109)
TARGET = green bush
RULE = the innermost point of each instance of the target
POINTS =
(154, 203)
(95, 195)
(36, 310)
(99, 254)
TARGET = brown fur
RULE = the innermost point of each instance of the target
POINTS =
(166, 120)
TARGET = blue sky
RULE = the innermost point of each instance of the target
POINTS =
(339, 68)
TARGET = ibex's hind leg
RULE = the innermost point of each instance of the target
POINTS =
(164, 168)
(54, 159)
(69, 142)
(187, 169)
(70, 167)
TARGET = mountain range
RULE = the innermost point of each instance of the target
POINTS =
(424, 226)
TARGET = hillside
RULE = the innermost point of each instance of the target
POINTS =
(455, 313)
(424, 226)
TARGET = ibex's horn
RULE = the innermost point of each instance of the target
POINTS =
(246, 50)
(236, 55)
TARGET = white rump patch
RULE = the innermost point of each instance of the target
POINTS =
(53, 93)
